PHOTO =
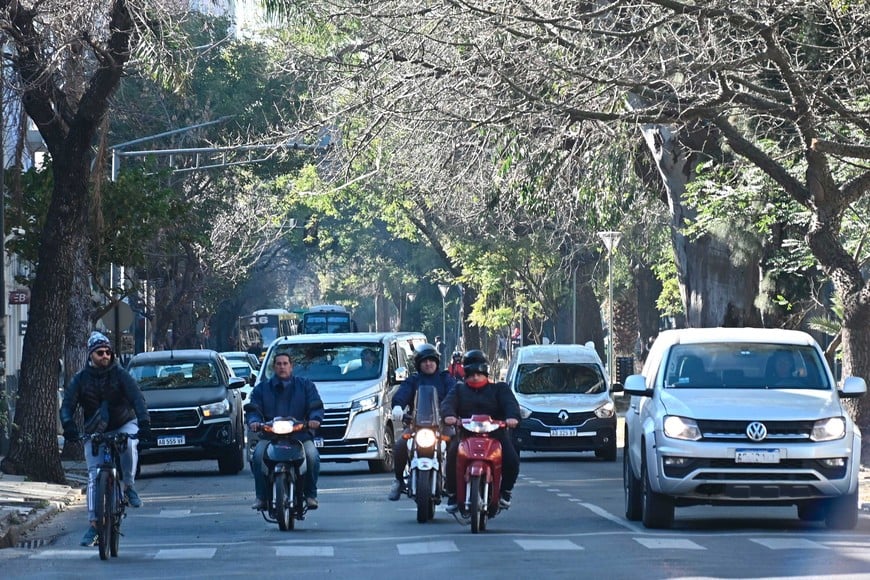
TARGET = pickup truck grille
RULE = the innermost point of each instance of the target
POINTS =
(778, 431)
(175, 418)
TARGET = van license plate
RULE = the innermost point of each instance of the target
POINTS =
(563, 432)
(757, 456)
(318, 441)
(169, 440)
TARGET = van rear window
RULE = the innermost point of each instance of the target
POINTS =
(560, 379)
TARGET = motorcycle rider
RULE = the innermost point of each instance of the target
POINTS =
(111, 402)
(455, 367)
(476, 395)
(285, 395)
(427, 361)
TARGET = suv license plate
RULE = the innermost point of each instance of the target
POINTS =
(168, 440)
(757, 456)
(563, 432)
(318, 441)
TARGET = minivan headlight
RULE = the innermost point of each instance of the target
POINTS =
(829, 429)
(681, 428)
(364, 404)
(605, 411)
(216, 409)
(525, 412)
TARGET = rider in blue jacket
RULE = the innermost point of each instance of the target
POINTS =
(285, 395)
(427, 360)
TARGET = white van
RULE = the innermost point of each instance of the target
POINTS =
(357, 424)
(564, 398)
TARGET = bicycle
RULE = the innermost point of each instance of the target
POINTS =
(111, 503)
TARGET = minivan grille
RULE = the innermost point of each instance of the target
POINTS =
(334, 424)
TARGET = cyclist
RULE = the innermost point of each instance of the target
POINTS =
(111, 402)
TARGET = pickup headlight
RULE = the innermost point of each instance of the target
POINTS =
(681, 428)
(829, 429)
(364, 404)
(216, 409)
(605, 411)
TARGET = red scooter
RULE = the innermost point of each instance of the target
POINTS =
(478, 471)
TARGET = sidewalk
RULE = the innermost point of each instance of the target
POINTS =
(26, 504)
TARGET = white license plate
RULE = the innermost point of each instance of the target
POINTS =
(756, 456)
(318, 441)
(563, 432)
(169, 440)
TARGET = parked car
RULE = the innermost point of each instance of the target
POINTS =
(358, 424)
(240, 355)
(718, 418)
(195, 408)
(565, 401)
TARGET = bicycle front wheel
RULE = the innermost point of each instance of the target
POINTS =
(117, 516)
(105, 493)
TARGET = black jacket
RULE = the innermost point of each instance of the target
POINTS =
(494, 399)
(91, 386)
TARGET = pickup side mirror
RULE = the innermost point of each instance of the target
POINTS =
(853, 387)
(636, 385)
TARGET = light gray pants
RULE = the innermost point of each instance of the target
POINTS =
(129, 458)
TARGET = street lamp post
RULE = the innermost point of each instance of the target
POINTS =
(444, 289)
(611, 241)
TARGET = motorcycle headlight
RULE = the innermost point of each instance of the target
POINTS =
(282, 427)
(681, 428)
(364, 404)
(425, 438)
(216, 409)
(829, 429)
(605, 411)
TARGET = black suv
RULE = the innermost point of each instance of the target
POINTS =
(195, 407)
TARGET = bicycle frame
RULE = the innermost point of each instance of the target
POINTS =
(109, 501)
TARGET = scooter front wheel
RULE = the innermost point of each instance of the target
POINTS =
(283, 502)
(478, 505)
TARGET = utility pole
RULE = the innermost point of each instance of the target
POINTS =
(4, 399)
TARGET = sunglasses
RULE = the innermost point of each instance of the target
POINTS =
(103, 352)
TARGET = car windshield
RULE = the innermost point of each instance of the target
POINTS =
(174, 374)
(241, 370)
(745, 366)
(560, 379)
(332, 361)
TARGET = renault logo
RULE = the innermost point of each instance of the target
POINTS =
(756, 431)
(563, 416)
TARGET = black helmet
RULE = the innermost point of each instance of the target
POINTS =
(425, 351)
(474, 361)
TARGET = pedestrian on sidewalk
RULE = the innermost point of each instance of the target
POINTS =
(111, 402)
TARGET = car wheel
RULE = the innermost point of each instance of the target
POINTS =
(842, 512)
(608, 452)
(633, 490)
(658, 509)
(386, 464)
(233, 461)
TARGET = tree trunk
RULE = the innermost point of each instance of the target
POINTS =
(75, 350)
(648, 289)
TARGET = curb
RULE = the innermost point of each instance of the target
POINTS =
(25, 511)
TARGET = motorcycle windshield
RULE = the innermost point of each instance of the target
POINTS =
(426, 407)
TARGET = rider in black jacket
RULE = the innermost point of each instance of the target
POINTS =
(111, 402)
(427, 360)
(476, 395)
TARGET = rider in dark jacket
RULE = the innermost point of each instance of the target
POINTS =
(285, 395)
(427, 360)
(476, 395)
(111, 402)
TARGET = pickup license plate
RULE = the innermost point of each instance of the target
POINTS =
(318, 441)
(169, 440)
(563, 432)
(756, 456)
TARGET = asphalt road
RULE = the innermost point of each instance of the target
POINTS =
(566, 522)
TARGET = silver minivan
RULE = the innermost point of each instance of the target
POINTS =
(565, 400)
(356, 396)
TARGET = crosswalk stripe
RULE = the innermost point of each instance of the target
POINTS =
(668, 544)
(415, 548)
(305, 551)
(185, 554)
(789, 544)
(547, 545)
(66, 554)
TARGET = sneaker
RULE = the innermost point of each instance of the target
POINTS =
(133, 497)
(504, 502)
(259, 505)
(396, 490)
(312, 503)
(452, 507)
(90, 537)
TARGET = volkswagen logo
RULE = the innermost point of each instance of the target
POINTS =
(756, 431)
(563, 416)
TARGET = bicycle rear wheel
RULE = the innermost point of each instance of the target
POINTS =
(105, 484)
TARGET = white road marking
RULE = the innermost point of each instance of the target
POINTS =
(186, 554)
(415, 548)
(668, 544)
(305, 551)
(789, 544)
(68, 554)
(547, 545)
